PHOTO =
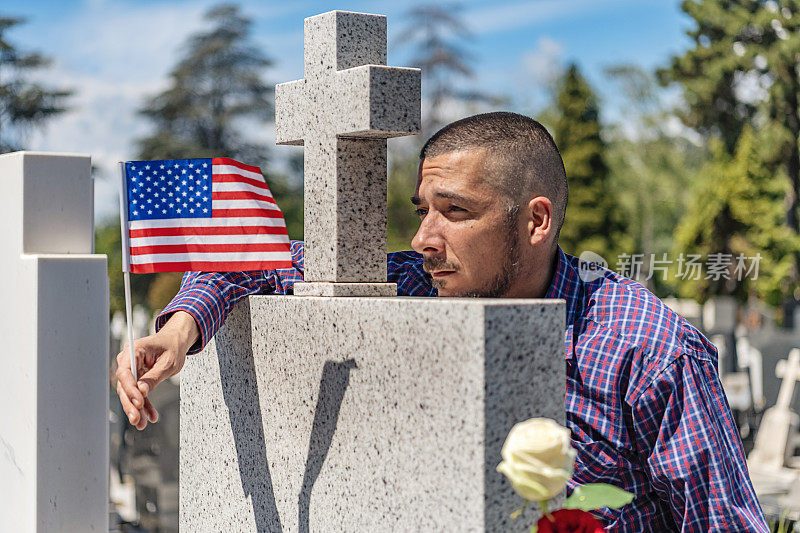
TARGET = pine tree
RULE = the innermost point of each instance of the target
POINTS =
(24, 104)
(593, 220)
(213, 88)
(744, 70)
(215, 91)
(737, 209)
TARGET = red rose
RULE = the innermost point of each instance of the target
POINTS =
(569, 521)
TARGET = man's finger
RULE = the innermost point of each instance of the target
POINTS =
(160, 371)
(152, 414)
(134, 415)
(125, 378)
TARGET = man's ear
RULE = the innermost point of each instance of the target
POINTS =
(540, 219)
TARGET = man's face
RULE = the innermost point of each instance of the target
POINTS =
(469, 243)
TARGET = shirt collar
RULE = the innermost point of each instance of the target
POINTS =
(566, 285)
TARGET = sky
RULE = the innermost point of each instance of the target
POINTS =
(116, 53)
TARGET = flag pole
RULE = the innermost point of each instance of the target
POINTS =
(126, 262)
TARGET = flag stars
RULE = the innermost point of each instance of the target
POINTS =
(176, 165)
(205, 165)
(183, 171)
(162, 167)
(205, 187)
(149, 211)
(205, 210)
(169, 171)
(140, 172)
(147, 167)
(191, 165)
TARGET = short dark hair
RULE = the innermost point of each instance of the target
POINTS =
(521, 156)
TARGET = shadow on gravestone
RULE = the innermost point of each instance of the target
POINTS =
(240, 392)
(335, 378)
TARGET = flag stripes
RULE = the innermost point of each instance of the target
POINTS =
(218, 215)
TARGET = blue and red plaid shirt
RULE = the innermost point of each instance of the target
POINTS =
(644, 401)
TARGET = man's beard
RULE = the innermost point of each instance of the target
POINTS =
(502, 282)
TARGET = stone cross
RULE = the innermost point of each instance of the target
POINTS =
(789, 370)
(779, 424)
(342, 112)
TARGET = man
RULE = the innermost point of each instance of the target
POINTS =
(644, 401)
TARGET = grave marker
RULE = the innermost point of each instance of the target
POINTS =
(342, 112)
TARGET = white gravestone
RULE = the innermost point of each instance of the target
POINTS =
(779, 425)
(54, 326)
(320, 413)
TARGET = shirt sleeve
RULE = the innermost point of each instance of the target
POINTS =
(686, 435)
(209, 296)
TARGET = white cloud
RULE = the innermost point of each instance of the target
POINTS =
(543, 62)
(113, 56)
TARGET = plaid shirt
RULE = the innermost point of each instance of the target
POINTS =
(644, 400)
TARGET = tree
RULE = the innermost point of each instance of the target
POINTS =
(215, 91)
(743, 70)
(737, 209)
(438, 37)
(593, 220)
(212, 90)
(403, 221)
(24, 104)
(651, 170)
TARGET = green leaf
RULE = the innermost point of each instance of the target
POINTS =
(597, 495)
(534, 528)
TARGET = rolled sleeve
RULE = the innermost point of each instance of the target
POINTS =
(691, 449)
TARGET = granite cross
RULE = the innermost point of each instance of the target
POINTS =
(342, 112)
(773, 444)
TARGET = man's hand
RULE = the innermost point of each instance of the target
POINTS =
(158, 357)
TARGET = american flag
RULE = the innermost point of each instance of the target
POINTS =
(202, 214)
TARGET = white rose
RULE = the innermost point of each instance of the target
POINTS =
(537, 458)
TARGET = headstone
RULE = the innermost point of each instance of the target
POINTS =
(54, 447)
(342, 112)
(779, 424)
(719, 315)
(749, 358)
(322, 413)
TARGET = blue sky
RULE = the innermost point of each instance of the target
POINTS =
(116, 52)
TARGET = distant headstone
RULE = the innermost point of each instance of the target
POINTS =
(779, 424)
(54, 434)
(719, 315)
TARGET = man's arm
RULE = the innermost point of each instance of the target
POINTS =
(691, 449)
(187, 324)
(201, 306)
